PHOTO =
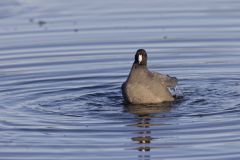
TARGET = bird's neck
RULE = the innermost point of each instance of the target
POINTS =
(137, 71)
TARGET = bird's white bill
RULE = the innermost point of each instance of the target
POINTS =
(139, 59)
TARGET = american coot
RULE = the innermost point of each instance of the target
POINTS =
(145, 87)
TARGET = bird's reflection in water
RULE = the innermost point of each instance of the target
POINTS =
(145, 114)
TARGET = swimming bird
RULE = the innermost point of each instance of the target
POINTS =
(145, 87)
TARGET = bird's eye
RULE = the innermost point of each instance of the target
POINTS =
(139, 59)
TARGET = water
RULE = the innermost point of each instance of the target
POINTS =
(62, 64)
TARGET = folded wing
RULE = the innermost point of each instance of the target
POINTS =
(165, 80)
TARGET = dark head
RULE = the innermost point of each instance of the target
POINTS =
(141, 57)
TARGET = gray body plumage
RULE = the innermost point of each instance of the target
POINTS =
(145, 87)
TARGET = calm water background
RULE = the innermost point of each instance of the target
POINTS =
(62, 64)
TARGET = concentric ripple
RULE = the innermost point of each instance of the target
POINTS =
(62, 65)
